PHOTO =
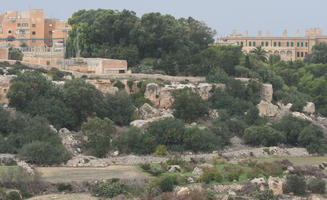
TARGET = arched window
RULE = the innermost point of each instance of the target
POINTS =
(292, 44)
(306, 44)
(275, 44)
(279, 44)
(288, 44)
(302, 45)
(250, 44)
(267, 44)
(262, 44)
(254, 44)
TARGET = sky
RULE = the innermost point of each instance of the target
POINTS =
(222, 15)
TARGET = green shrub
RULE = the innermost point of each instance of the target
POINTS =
(317, 186)
(43, 153)
(13, 195)
(119, 85)
(188, 105)
(295, 184)
(64, 187)
(210, 175)
(166, 183)
(264, 195)
(109, 189)
(161, 151)
(232, 172)
(197, 140)
(263, 135)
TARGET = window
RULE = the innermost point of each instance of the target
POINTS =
(298, 44)
(24, 24)
(50, 25)
(254, 44)
(18, 24)
(9, 32)
(292, 44)
(21, 32)
(33, 25)
(262, 44)
(302, 54)
(250, 44)
(306, 44)
(267, 44)
(279, 44)
(33, 33)
(241, 43)
(288, 44)
(275, 44)
(301, 44)
(298, 54)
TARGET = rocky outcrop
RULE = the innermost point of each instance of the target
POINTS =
(20, 163)
(4, 88)
(267, 109)
(145, 122)
(110, 87)
(266, 92)
(146, 112)
(309, 108)
(70, 142)
(161, 96)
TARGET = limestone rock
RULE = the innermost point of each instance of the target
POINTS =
(174, 168)
(183, 191)
(69, 141)
(146, 111)
(191, 180)
(267, 92)
(144, 123)
(213, 114)
(206, 165)
(197, 171)
(267, 109)
(258, 181)
(309, 108)
(276, 185)
(53, 129)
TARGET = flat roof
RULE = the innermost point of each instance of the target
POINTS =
(273, 38)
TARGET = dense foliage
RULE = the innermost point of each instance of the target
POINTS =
(171, 42)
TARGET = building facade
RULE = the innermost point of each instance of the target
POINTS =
(31, 29)
(289, 48)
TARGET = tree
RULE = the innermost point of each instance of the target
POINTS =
(260, 53)
(120, 108)
(197, 140)
(15, 54)
(83, 98)
(188, 105)
(99, 133)
(319, 53)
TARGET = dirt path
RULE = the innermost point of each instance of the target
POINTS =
(69, 174)
(64, 197)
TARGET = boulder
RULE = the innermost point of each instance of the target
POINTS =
(266, 92)
(69, 141)
(206, 165)
(174, 168)
(87, 161)
(191, 180)
(144, 123)
(276, 185)
(309, 108)
(183, 191)
(267, 109)
(258, 181)
(146, 111)
(197, 171)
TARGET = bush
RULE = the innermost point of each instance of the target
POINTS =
(120, 108)
(109, 189)
(161, 151)
(15, 54)
(317, 186)
(13, 195)
(210, 175)
(295, 184)
(167, 132)
(264, 195)
(64, 187)
(119, 85)
(196, 140)
(232, 172)
(166, 183)
(188, 105)
(43, 153)
(135, 141)
(263, 135)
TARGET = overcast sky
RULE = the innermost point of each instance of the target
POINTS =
(222, 15)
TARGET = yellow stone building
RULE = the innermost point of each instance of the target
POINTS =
(33, 26)
(289, 48)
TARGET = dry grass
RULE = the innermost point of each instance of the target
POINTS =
(300, 160)
(69, 174)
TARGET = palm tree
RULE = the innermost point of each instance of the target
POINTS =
(260, 53)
